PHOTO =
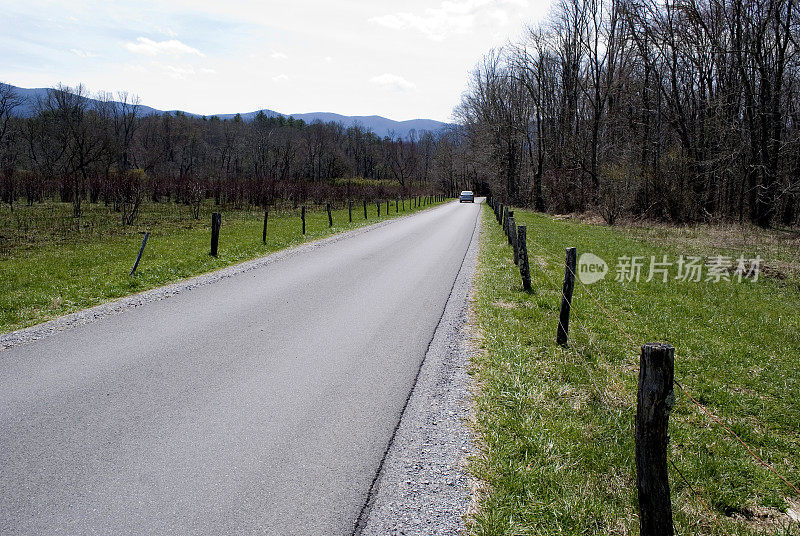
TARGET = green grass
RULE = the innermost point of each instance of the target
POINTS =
(52, 264)
(556, 424)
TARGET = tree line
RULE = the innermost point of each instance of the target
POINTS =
(81, 148)
(683, 110)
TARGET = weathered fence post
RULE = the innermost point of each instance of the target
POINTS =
(514, 241)
(653, 405)
(216, 223)
(566, 296)
(396, 205)
(350, 211)
(365, 209)
(387, 207)
(330, 218)
(378, 204)
(524, 267)
(264, 232)
(303, 217)
(509, 219)
(141, 250)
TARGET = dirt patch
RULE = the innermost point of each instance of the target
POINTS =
(770, 519)
(794, 509)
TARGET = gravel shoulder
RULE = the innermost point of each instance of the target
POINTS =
(423, 487)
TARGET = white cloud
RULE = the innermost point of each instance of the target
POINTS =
(205, 70)
(280, 78)
(278, 55)
(178, 72)
(82, 53)
(450, 17)
(328, 59)
(393, 81)
(166, 31)
(172, 47)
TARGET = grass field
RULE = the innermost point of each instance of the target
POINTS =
(52, 264)
(556, 424)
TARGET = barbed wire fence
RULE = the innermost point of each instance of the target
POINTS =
(519, 242)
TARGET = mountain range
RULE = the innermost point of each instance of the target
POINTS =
(381, 126)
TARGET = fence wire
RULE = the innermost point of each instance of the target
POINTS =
(559, 260)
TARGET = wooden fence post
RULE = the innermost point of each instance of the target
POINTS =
(330, 218)
(654, 402)
(216, 223)
(139, 256)
(509, 219)
(524, 267)
(387, 207)
(264, 232)
(350, 211)
(396, 205)
(303, 217)
(378, 204)
(365, 209)
(514, 241)
(566, 296)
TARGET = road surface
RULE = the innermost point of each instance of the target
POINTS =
(260, 404)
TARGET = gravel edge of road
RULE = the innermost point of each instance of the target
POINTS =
(423, 487)
(118, 305)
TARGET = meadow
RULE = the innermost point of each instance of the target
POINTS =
(555, 424)
(52, 264)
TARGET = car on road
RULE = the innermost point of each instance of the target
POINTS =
(466, 197)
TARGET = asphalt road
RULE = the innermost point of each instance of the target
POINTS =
(260, 404)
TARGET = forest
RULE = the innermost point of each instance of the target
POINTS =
(677, 110)
(98, 148)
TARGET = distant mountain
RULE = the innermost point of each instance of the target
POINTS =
(31, 96)
(377, 124)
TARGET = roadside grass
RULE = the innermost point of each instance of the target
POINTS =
(52, 264)
(555, 425)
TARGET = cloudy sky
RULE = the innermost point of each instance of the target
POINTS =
(402, 60)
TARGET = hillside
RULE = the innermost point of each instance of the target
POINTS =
(381, 126)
